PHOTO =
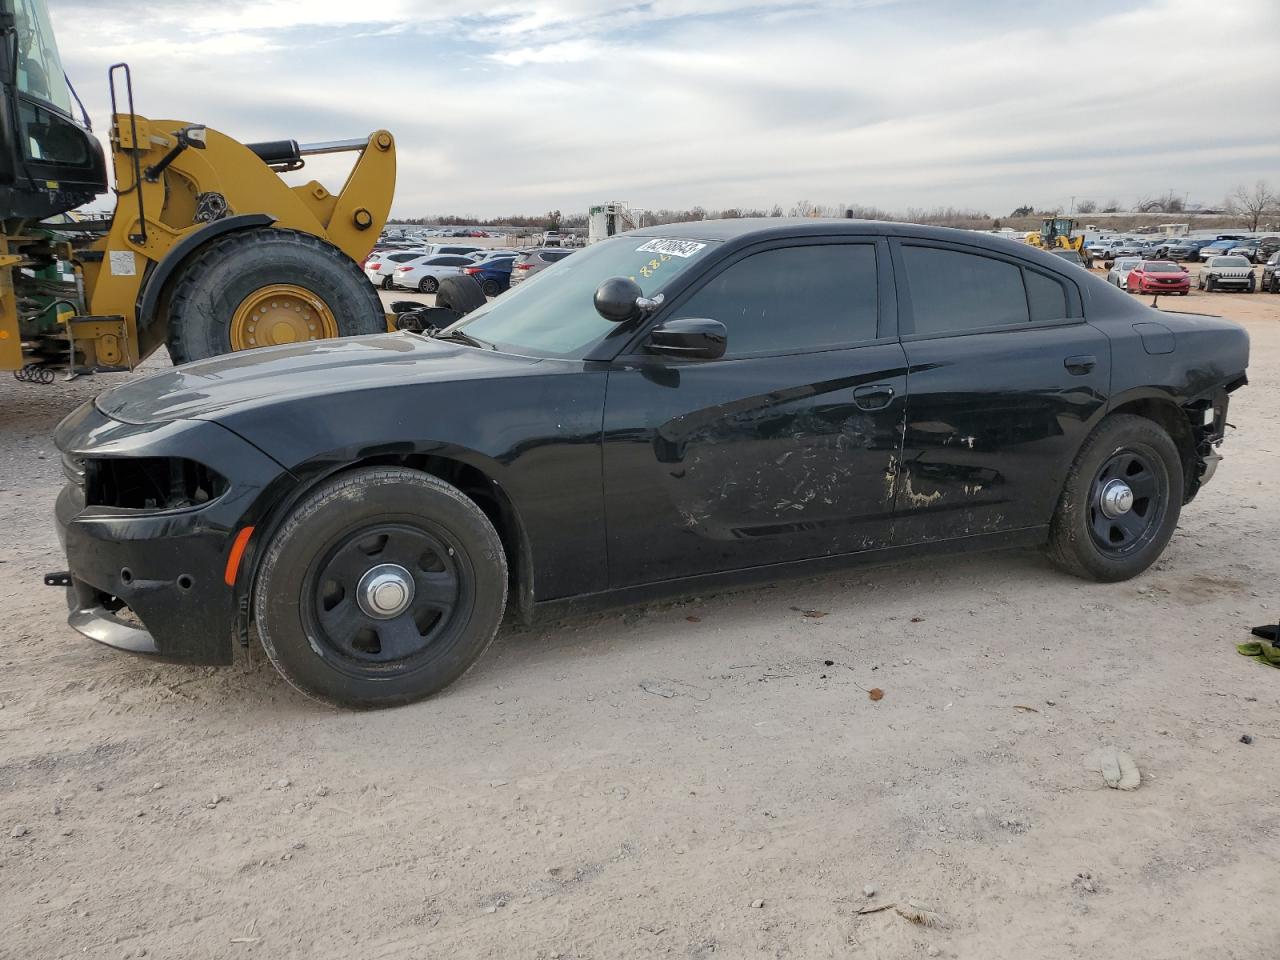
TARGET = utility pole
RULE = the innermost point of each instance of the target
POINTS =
(1073, 207)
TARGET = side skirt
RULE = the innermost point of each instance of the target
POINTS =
(670, 589)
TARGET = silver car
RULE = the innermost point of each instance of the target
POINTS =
(532, 261)
(1227, 273)
(1119, 272)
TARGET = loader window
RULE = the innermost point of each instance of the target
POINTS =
(39, 67)
(51, 138)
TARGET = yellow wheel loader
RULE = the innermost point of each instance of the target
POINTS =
(1058, 233)
(208, 249)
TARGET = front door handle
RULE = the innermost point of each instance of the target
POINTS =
(1080, 365)
(874, 397)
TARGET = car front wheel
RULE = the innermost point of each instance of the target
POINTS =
(1121, 502)
(381, 587)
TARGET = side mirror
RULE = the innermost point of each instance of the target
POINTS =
(694, 338)
(617, 299)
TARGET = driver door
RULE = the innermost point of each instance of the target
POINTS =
(782, 449)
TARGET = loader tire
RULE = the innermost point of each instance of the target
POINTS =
(460, 293)
(264, 287)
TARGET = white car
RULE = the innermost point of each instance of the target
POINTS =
(380, 266)
(480, 256)
(1226, 273)
(425, 273)
(1119, 273)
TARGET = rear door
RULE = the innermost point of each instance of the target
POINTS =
(1004, 381)
(782, 449)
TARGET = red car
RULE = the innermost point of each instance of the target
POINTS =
(1159, 276)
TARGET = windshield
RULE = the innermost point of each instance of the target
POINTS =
(1127, 264)
(39, 67)
(553, 313)
(1162, 266)
(1230, 262)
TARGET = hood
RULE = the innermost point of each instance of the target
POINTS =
(208, 389)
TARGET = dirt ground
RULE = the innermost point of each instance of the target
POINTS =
(684, 779)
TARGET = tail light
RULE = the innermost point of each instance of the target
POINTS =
(375, 266)
(472, 271)
(522, 266)
(403, 269)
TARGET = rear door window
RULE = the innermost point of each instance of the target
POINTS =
(1046, 297)
(953, 291)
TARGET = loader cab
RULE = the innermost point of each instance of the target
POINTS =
(1055, 227)
(49, 162)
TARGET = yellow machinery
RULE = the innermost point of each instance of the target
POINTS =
(1058, 233)
(208, 249)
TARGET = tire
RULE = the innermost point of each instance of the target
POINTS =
(428, 285)
(1252, 285)
(386, 283)
(491, 288)
(1083, 539)
(312, 623)
(212, 285)
(462, 294)
(1208, 285)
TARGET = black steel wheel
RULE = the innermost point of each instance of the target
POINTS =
(383, 586)
(491, 288)
(1127, 500)
(1121, 501)
(384, 594)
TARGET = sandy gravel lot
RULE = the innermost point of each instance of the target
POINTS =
(693, 779)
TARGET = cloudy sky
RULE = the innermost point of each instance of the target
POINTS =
(520, 107)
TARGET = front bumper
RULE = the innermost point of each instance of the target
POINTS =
(152, 582)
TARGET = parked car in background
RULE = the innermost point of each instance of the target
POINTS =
(1160, 277)
(1097, 249)
(533, 261)
(482, 255)
(551, 238)
(493, 274)
(1118, 275)
(1226, 273)
(380, 268)
(440, 249)
(1127, 247)
(425, 273)
(374, 504)
(1271, 274)
(1250, 249)
(1185, 248)
(1219, 247)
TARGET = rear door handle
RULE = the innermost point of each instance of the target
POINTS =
(1080, 365)
(875, 397)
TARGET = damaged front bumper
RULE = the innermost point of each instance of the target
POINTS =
(150, 579)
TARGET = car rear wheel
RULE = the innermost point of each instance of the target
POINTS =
(386, 283)
(491, 288)
(428, 285)
(382, 587)
(1121, 502)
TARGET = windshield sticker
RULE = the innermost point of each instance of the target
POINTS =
(674, 248)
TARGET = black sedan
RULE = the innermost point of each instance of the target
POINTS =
(668, 410)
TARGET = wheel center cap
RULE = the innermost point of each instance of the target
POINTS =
(385, 591)
(1117, 499)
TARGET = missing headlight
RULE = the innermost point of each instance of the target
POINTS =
(151, 483)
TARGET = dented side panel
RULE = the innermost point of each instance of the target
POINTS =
(746, 462)
(993, 422)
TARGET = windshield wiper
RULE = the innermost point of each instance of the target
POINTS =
(466, 338)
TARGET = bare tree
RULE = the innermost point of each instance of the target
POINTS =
(1112, 206)
(1087, 206)
(1251, 205)
(1172, 202)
